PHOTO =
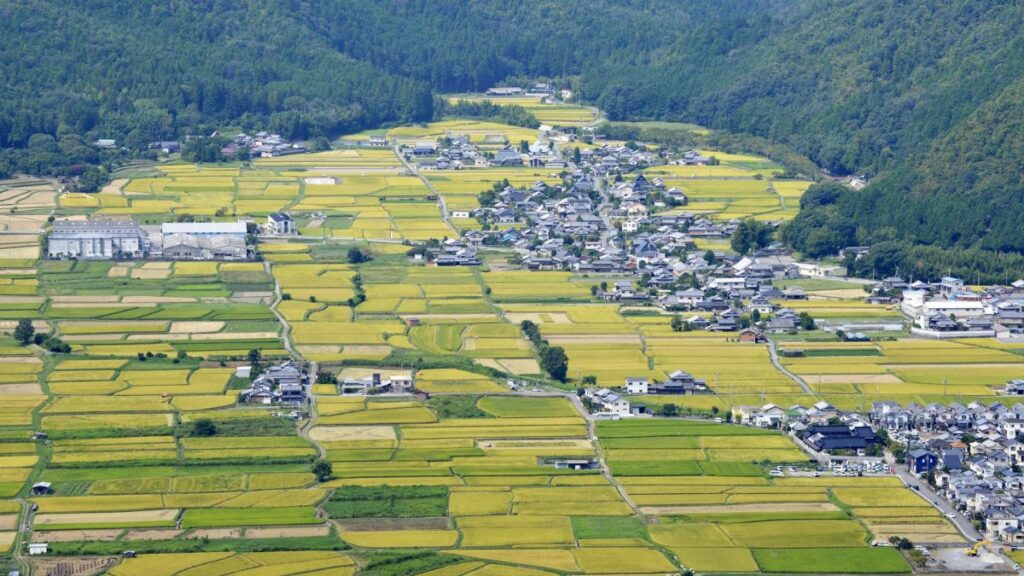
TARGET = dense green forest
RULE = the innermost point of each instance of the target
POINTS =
(925, 97)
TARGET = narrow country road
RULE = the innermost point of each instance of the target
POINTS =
(774, 355)
(286, 329)
(426, 182)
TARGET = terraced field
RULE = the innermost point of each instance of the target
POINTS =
(740, 186)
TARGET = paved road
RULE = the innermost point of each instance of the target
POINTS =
(426, 182)
(774, 355)
(962, 523)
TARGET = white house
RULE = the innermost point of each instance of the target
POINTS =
(280, 224)
(38, 548)
(616, 405)
(636, 385)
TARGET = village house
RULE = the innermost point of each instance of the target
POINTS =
(280, 224)
(608, 402)
(280, 383)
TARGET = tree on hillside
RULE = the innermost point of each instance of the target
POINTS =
(24, 332)
(554, 361)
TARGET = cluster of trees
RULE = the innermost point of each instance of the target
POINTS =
(751, 235)
(25, 333)
(511, 114)
(829, 220)
(553, 359)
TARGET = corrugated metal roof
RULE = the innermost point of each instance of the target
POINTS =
(203, 228)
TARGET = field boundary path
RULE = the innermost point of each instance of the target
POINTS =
(286, 330)
(774, 356)
(427, 183)
(599, 452)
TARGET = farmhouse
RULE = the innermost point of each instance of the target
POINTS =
(283, 383)
(637, 385)
(767, 416)
(609, 402)
(507, 156)
(829, 438)
(97, 239)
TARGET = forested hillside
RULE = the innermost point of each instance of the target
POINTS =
(923, 96)
(146, 70)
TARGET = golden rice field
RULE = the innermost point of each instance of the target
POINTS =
(470, 476)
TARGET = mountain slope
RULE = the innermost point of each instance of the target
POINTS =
(145, 70)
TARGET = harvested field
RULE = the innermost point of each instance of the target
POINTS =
(45, 521)
(345, 433)
(539, 318)
(288, 531)
(72, 566)
(75, 535)
(20, 389)
(215, 533)
(195, 327)
(152, 534)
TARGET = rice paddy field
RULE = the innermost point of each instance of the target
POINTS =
(717, 511)
(466, 481)
(554, 113)
(851, 375)
(740, 186)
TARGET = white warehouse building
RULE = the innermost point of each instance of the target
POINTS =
(96, 239)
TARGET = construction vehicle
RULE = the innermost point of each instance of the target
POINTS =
(973, 550)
